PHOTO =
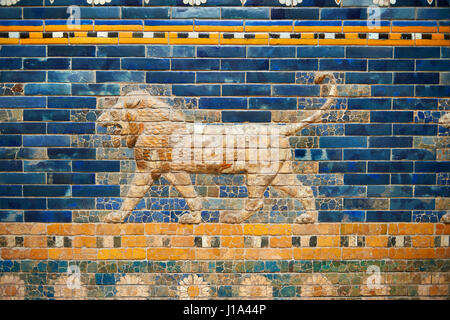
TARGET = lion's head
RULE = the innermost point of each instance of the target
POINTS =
(127, 117)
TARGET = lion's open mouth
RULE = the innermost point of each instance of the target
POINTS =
(115, 141)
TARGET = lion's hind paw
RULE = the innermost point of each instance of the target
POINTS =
(114, 217)
(305, 218)
(231, 217)
(190, 219)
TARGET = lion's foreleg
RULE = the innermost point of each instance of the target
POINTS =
(140, 185)
(182, 182)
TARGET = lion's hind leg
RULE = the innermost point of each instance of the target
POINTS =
(139, 187)
(287, 182)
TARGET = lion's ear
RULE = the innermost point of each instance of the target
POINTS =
(131, 141)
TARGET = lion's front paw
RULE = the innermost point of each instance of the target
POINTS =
(190, 218)
(446, 218)
(306, 218)
(114, 217)
(231, 217)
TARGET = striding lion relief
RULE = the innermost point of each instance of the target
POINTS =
(166, 145)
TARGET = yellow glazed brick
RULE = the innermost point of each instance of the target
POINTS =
(219, 28)
(317, 253)
(364, 253)
(129, 40)
(60, 253)
(119, 28)
(83, 229)
(280, 242)
(232, 242)
(35, 242)
(170, 254)
(184, 241)
(134, 241)
(376, 241)
(411, 228)
(330, 29)
(83, 241)
(21, 28)
(314, 229)
(97, 40)
(328, 241)
(59, 229)
(187, 28)
(363, 229)
(44, 41)
(422, 241)
(108, 229)
(293, 41)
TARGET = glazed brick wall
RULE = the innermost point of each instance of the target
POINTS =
(377, 162)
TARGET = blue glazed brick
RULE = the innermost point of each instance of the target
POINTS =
(367, 154)
(396, 91)
(71, 51)
(391, 65)
(414, 104)
(413, 154)
(222, 103)
(96, 166)
(270, 77)
(46, 115)
(343, 142)
(46, 191)
(10, 165)
(245, 13)
(431, 13)
(341, 216)
(99, 13)
(22, 178)
(27, 128)
(96, 191)
(72, 102)
(320, 52)
(343, 14)
(413, 179)
(158, 51)
(293, 64)
(369, 52)
(120, 76)
(196, 90)
(390, 191)
(415, 129)
(432, 166)
(356, 129)
(412, 204)
(82, 89)
(341, 167)
(390, 142)
(71, 203)
(46, 63)
(343, 64)
(318, 154)
(22, 203)
(11, 63)
(22, 102)
(220, 77)
(170, 77)
(432, 91)
(46, 141)
(391, 116)
(360, 203)
(23, 51)
(416, 52)
(10, 13)
(71, 178)
(246, 90)
(195, 64)
(385, 166)
(11, 191)
(46, 166)
(71, 153)
(10, 140)
(221, 52)
(271, 52)
(247, 64)
(183, 51)
(47, 89)
(11, 216)
(95, 64)
(431, 191)
(71, 76)
(340, 191)
(121, 51)
(368, 78)
(246, 116)
(388, 216)
(273, 103)
(428, 216)
(187, 13)
(365, 179)
(145, 13)
(412, 78)
(295, 13)
(445, 52)
(22, 76)
(432, 65)
(296, 90)
(70, 128)
(45, 13)
(48, 216)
